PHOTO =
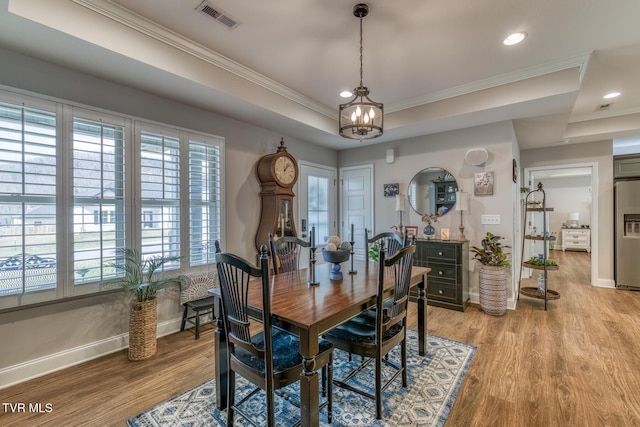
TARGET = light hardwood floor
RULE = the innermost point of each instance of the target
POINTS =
(576, 364)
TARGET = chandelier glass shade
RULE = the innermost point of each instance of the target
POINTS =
(361, 118)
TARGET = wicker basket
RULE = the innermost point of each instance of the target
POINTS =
(143, 321)
(493, 290)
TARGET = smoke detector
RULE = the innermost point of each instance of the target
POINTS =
(213, 11)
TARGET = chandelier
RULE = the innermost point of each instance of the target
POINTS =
(361, 118)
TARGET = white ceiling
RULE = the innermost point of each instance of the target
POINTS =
(436, 65)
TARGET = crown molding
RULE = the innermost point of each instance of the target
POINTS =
(603, 115)
(516, 76)
(151, 29)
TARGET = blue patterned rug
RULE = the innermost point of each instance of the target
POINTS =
(434, 381)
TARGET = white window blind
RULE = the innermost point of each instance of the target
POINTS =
(204, 201)
(98, 197)
(27, 199)
(160, 195)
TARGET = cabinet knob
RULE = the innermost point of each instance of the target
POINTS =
(440, 273)
(440, 291)
(440, 253)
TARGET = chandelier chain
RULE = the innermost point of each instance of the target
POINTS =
(360, 51)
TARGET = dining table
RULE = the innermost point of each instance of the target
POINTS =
(309, 310)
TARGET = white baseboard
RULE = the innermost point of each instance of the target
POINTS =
(54, 362)
(605, 283)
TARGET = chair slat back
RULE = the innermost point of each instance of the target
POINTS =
(285, 253)
(400, 264)
(392, 241)
(235, 274)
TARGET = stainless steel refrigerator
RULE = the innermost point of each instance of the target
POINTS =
(627, 225)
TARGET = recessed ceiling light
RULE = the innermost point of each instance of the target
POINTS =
(515, 38)
(346, 94)
(611, 95)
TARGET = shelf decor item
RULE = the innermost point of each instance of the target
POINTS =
(429, 229)
(493, 274)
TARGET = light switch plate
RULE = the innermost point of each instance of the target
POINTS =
(490, 219)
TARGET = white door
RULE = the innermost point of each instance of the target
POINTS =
(316, 205)
(356, 201)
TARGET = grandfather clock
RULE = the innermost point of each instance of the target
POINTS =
(277, 174)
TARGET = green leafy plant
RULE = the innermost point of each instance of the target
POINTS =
(140, 278)
(492, 252)
(373, 251)
(539, 262)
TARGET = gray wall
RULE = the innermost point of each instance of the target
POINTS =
(446, 150)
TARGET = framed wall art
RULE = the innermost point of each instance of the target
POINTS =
(412, 231)
(483, 184)
(391, 190)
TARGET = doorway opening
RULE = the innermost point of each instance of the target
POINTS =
(570, 192)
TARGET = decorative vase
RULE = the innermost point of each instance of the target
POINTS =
(429, 231)
(493, 290)
(336, 257)
(143, 321)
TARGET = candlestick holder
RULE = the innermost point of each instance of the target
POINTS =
(351, 270)
(312, 266)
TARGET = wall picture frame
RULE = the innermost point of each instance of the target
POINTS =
(483, 184)
(391, 190)
(412, 231)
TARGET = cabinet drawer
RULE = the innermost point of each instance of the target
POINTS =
(572, 236)
(442, 271)
(442, 292)
(576, 242)
(441, 252)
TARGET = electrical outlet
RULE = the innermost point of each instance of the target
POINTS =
(490, 219)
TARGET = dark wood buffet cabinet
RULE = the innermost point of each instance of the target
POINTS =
(448, 280)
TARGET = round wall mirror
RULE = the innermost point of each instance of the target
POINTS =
(432, 191)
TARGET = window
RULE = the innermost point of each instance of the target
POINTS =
(98, 188)
(204, 201)
(160, 194)
(318, 210)
(76, 184)
(28, 221)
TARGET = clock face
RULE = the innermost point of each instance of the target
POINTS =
(285, 170)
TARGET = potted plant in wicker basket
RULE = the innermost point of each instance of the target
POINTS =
(140, 279)
(493, 274)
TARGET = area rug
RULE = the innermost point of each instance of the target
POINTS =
(434, 381)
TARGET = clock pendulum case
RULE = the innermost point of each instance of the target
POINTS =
(277, 173)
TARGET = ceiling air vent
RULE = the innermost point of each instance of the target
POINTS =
(218, 14)
(604, 107)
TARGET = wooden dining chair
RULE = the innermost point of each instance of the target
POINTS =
(285, 253)
(270, 359)
(374, 333)
(392, 241)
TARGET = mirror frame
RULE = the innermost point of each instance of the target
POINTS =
(436, 206)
